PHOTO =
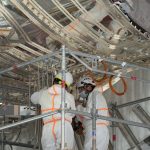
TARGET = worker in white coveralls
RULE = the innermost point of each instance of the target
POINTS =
(50, 100)
(87, 88)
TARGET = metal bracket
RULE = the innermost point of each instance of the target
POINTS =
(94, 63)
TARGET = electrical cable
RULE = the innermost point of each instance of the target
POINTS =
(114, 90)
(105, 77)
(101, 80)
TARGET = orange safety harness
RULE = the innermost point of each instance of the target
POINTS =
(53, 120)
(103, 123)
(102, 109)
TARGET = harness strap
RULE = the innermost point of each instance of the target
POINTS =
(55, 120)
(103, 109)
(102, 124)
(49, 109)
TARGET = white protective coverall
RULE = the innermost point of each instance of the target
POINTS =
(50, 100)
(102, 133)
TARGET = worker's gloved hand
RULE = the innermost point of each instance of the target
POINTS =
(80, 129)
(81, 102)
(77, 126)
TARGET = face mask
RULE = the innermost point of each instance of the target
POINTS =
(83, 94)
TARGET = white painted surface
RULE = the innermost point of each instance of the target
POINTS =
(136, 90)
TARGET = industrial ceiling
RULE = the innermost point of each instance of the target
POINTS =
(113, 29)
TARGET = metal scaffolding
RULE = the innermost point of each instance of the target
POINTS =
(63, 99)
(92, 115)
(133, 102)
(28, 62)
(109, 73)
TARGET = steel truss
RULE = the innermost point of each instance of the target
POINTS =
(93, 114)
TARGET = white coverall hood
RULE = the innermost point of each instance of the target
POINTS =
(69, 78)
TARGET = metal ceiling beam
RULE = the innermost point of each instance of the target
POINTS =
(14, 23)
(37, 21)
(46, 22)
(8, 56)
(68, 6)
(28, 49)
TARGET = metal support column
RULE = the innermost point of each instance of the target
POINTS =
(94, 112)
(128, 134)
(63, 100)
(140, 112)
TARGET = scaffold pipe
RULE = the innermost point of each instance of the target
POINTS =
(28, 62)
(28, 120)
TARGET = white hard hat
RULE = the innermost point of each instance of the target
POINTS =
(69, 78)
(85, 80)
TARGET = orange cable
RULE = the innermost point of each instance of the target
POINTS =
(113, 89)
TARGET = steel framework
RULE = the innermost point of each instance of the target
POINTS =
(93, 115)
